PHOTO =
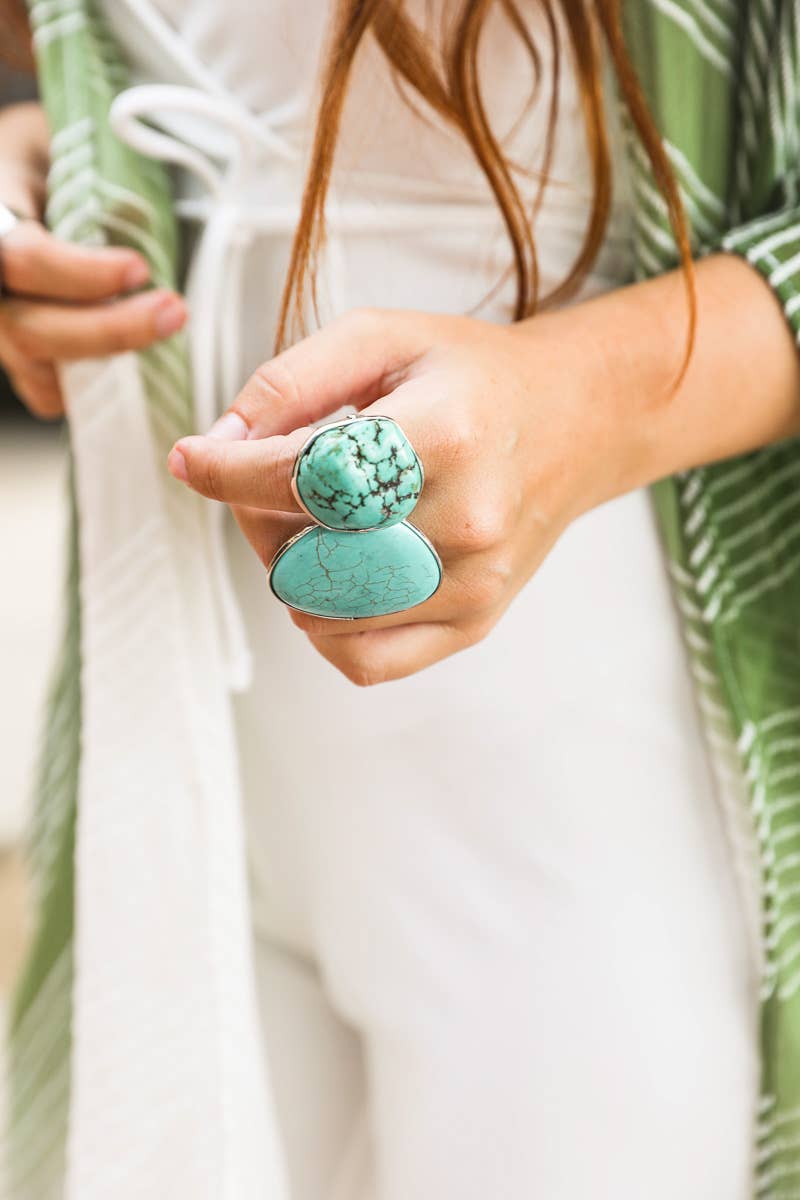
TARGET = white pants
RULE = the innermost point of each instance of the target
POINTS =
(501, 951)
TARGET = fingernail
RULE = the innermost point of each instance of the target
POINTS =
(136, 275)
(230, 428)
(170, 317)
(176, 465)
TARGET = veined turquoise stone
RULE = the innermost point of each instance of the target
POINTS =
(361, 474)
(329, 573)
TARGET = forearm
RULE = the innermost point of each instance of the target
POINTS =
(741, 389)
(24, 155)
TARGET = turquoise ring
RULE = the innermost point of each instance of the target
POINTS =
(350, 576)
(357, 475)
(358, 479)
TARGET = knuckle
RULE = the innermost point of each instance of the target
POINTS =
(358, 658)
(478, 630)
(363, 319)
(362, 671)
(120, 335)
(116, 340)
(458, 440)
(273, 381)
(204, 469)
(353, 655)
(483, 528)
(451, 447)
(26, 341)
(209, 476)
(15, 333)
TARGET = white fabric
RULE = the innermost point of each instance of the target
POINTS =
(507, 874)
(164, 1019)
(509, 879)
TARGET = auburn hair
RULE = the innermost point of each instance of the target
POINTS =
(15, 41)
(447, 78)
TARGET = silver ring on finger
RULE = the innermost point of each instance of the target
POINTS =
(358, 479)
(9, 219)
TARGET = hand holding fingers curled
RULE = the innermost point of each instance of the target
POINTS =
(504, 471)
(63, 301)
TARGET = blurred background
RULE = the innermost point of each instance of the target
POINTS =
(32, 502)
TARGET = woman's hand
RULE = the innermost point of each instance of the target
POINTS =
(520, 430)
(502, 430)
(60, 301)
(63, 301)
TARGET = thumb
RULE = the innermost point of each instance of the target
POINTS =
(353, 360)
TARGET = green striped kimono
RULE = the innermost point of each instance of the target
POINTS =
(723, 81)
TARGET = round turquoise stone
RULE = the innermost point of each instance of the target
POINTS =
(360, 474)
(328, 573)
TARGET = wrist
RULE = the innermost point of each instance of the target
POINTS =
(636, 340)
(636, 386)
(582, 359)
(636, 417)
(740, 390)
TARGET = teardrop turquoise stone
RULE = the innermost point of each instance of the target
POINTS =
(330, 573)
(360, 474)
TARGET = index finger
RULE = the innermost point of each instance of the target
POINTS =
(255, 473)
(258, 472)
(35, 263)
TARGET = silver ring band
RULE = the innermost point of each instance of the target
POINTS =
(9, 219)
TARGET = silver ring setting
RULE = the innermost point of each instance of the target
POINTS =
(357, 479)
(9, 219)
